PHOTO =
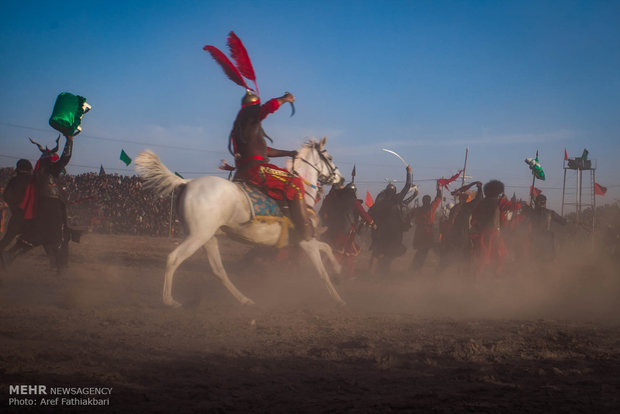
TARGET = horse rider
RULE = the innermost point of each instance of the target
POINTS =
(247, 138)
(251, 152)
(13, 195)
(44, 207)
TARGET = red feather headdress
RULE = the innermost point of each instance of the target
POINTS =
(243, 65)
(241, 58)
(229, 69)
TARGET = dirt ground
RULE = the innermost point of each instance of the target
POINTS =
(537, 341)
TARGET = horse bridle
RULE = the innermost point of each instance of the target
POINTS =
(322, 178)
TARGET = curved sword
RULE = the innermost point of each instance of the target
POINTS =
(292, 106)
(399, 157)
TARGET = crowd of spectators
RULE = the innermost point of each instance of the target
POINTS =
(112, 203)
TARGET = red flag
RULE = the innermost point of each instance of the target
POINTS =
(599, 189)
(446, 181)
(565, 155)
(535, 192)
(368, 201)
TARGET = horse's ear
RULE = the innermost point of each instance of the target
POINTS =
(322, 143)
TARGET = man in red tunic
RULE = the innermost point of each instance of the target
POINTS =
(486, 221)
(248, 144)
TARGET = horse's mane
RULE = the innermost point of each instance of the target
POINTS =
(310, 143)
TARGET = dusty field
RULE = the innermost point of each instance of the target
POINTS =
(534, 342)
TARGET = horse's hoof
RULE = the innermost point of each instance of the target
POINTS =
(247, 302)
(172, 303)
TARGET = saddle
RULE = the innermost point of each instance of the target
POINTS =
(264, 209)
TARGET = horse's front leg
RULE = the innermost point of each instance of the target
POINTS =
(312, 248)
(327, 249)
(215, 260)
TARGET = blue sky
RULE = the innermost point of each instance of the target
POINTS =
(425, 79)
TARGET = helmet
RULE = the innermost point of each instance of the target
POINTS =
(250, 98)
(390, 188)
(351, 187)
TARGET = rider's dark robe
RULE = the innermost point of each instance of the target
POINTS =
(387, 212)
(542, 238)
(13, 195)
(341, 213)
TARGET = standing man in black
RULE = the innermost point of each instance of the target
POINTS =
(13, 195)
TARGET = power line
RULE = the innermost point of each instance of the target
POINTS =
(123, 141)
(92, 167)
(358, 181)
(82, 135)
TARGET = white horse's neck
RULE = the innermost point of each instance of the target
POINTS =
(307, 173)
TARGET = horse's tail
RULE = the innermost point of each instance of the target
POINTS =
(155, 174)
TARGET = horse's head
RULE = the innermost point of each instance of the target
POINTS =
(314, 154)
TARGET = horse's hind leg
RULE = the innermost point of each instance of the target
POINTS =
(178, 255)
(215, 260)
(312, 248)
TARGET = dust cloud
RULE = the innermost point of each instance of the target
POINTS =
(538, 339)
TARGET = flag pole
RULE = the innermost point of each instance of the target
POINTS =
(533, 183)
(464, 167)
(532, 188)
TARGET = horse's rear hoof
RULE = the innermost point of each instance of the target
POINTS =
(248, 302)
(172, 303)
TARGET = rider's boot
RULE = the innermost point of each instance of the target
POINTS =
(303, 225)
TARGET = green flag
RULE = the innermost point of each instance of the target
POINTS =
(536, 167)
(125, 158)
(178, 175)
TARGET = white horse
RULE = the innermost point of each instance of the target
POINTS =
(208, 204)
